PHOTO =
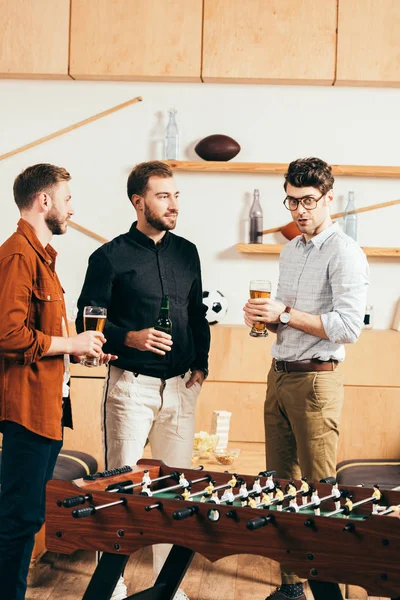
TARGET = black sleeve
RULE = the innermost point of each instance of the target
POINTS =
(198, 322)
(97, 291)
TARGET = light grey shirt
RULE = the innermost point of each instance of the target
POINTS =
(327, 276)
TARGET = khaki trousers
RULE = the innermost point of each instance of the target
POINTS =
(301, 415)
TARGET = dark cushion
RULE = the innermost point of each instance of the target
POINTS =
(384, 472)
(72, 464)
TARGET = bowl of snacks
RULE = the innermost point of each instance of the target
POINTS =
(227, 456)
(195, 457)
(205, 443)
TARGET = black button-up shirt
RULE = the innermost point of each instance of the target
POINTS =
(129, 276)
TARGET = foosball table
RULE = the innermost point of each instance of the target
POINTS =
(321, 532)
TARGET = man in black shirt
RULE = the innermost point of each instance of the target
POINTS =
(145, 397)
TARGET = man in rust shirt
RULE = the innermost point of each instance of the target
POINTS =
(32, 348)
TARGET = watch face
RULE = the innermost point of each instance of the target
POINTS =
(284, 317)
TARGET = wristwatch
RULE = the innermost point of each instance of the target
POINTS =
(285, 316)
(202, 369)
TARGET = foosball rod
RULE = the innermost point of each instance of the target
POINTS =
(172, 475)
(390, 510)
(86, 511)
(321, 500)
(346, 510)
(216, 489)
(179, 485)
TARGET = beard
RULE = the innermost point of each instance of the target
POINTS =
(55, 223)
(158, 222)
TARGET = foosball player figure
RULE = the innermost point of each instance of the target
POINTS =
(214, 497)
(243, 493)
(228, 496)
(336, 493)
(305, 490)
(377, 495)
(146, 478)
(349, 504)
(265, 499)
(183, 481)
(205, 497)
(293, 505)
(291, 488)
(280, 495)
(316, 501)
(233, 481)
(186, 493)
(146, 491)
(251, 502)
(209, 489)
(257, 488)
(269, 483)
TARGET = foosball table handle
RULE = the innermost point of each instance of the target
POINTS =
(84, 511)
(76, 500)
(184, 513)
(259, 522)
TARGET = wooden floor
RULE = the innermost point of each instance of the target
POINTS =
(241, 577)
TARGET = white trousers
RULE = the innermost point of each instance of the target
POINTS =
(137, 408)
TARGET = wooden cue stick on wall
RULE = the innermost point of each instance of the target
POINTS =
(51, 136)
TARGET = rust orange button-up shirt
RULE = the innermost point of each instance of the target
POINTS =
(31, 311)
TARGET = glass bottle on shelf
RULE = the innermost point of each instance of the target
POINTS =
(256, 220)
(171, 149)
(350, 217)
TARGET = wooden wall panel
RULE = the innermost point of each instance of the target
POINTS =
(368, 43)
(370, 420)
(235, 356)
(244, 400)
(279, 41)
(370, 423)
(86, 395)
(136, 40)
(34, 38)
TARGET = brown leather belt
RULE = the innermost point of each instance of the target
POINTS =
(283, 366)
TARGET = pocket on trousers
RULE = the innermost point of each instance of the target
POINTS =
(187, 406)
(327, 388)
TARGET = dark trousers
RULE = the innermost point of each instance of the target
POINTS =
(27, 464)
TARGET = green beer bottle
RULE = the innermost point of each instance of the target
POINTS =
(163, 322)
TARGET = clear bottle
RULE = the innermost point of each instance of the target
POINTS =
(256, 220)
(350, 218)
(171, 149)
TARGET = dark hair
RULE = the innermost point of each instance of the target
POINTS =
(140, 175)
(36, 179)
(310, 172)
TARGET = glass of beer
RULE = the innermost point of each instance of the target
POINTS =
(94, 319)
(259, 288)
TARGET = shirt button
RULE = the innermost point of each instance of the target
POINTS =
(48, 297)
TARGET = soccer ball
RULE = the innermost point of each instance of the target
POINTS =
(217, 306)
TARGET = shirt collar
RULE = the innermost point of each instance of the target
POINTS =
(47, 254)
(142, 239)
(320, 239)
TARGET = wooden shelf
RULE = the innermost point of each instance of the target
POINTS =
(278, 168)
(276, 249)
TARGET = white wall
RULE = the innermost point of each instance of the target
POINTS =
(272, 124)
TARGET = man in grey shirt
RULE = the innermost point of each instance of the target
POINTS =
(319, 307)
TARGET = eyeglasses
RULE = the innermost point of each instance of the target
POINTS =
(308, 202)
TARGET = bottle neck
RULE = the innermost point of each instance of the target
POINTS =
(164, 310)
(350, 202)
